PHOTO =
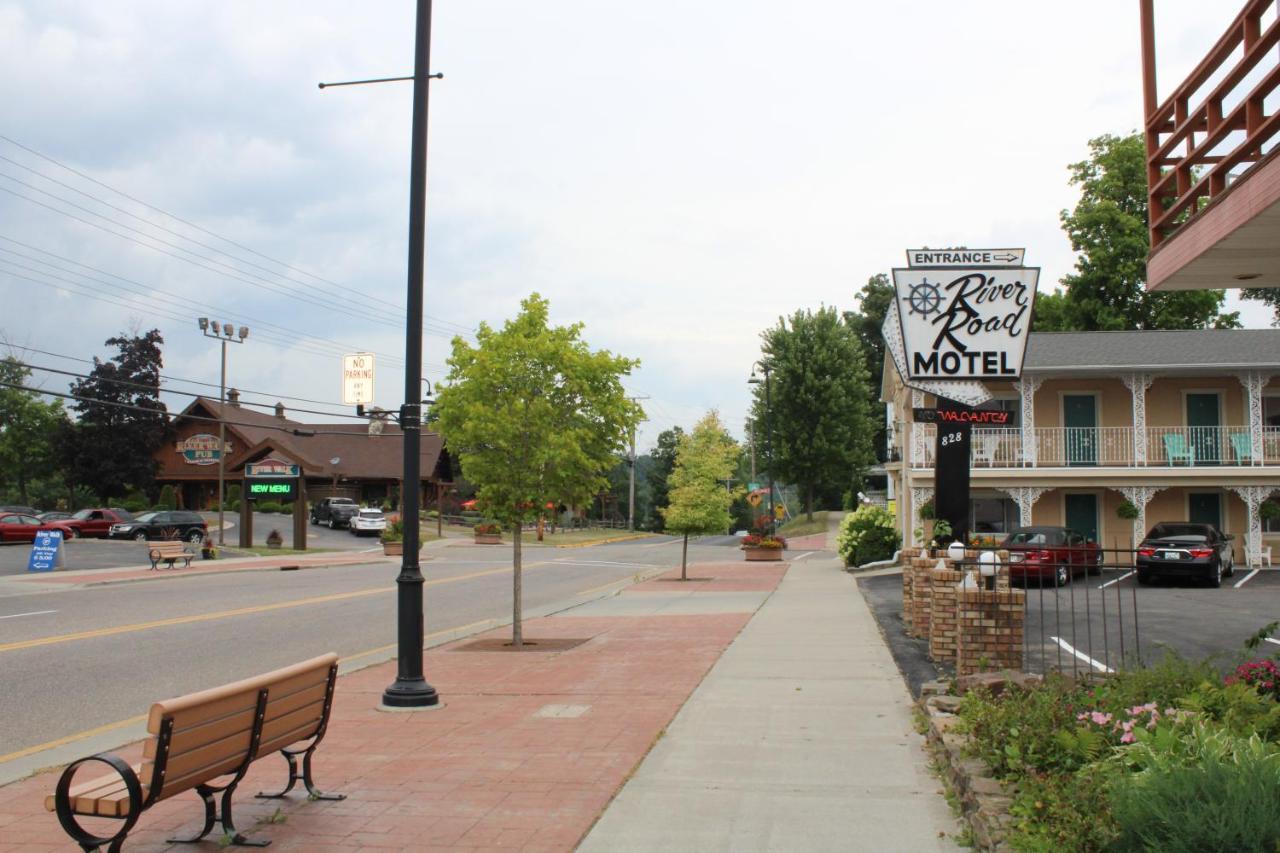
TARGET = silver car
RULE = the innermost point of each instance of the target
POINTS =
(367, 520)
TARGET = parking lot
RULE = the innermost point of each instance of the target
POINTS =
(1111, 621)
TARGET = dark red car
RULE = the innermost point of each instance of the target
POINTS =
(1055, 555)
(96, 523)
(20, 527)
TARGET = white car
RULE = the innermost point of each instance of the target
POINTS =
(367, 521)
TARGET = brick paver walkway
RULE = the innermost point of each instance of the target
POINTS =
(527, 752)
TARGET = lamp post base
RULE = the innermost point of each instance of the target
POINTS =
(410, 693)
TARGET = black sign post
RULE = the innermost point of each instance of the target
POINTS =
(951, 468)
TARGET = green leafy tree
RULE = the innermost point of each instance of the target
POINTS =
(121, 422)
(820, 406)
(874, 300)
(663, 458)
(699, 498)
(1268, 296)
(1108, 228)
(535, 417)
(27, 429)
(1052, 312)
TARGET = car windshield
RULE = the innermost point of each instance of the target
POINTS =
(343, 501)
(146, 516)
(1190, 532)
(1033, 537)
(83, 514)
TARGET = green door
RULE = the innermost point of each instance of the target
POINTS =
(1205, 508)
(1202, 424)
(1082, 515)
(1080, 417)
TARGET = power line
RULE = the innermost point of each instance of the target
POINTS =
(443, 326)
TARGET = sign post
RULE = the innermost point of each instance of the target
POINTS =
(46, 551)
(960, 316)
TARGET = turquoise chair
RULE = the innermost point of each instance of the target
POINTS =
(1175, 448)
(1242, 444)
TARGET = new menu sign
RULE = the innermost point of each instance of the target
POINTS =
(965, 315)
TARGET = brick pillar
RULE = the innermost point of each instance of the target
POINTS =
(920, 596)
(908, 572)
(989, 630)
(942, 615)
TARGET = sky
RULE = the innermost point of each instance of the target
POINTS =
(674, 175)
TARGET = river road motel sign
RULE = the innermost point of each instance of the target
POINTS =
(965, 313)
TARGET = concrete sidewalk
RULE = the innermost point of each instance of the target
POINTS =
(800, 738)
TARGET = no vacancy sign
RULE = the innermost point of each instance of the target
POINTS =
(965, 321)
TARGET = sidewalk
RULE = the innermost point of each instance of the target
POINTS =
(800, 738)
(531, 746)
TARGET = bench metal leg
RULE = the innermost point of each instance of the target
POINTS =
(211, 816)
(312, 792)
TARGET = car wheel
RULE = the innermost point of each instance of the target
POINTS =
(332, 524)
(70, 533)
(1231, 568)
(1215, 575)
(1061, 576)
(1144, 578)
(140, 536)
(315, 520)
(195, 536)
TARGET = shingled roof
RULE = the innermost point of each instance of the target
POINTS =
(361, 456)
(1195, 350)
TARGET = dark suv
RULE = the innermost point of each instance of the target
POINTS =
(335, 512)
(158, 526)
(1185, 549)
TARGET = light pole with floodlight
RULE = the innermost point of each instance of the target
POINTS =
(224, 333)
(766, 368)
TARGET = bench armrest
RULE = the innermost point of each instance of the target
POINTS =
(66, 812)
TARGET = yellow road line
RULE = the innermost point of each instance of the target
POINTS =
(241, 611)
(62, 741)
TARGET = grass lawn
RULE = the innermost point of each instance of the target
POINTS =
(801, 526)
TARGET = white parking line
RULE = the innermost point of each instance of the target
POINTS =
(1244, 580)
(1273, 640)
(802, 556)
(1067, 647)
(32, 613)
(1116, 581)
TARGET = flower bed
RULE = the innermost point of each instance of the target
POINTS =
(1170, 757)
(763, 547)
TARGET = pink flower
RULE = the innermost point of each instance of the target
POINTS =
(1128, 738)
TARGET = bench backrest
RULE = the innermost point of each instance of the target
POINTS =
(167, 547)
(201, 736)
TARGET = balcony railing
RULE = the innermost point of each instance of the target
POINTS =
(1110, 447)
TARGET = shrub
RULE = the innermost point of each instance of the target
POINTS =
(866, 535)
(488, 528)
(1262, 675)
(134, 504)
(1018, 731)
(168, 499)
(927, 510)
(1208, 791)
(268, 506)
(233, 492)
(1052, 813)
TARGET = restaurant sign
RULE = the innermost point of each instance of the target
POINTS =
(965, 323)
(200, 449)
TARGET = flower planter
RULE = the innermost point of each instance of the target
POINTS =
(392, 549)
(488, 538)
(762, 555)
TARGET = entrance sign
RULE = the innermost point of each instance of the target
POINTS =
(357, 378)
(965, 323)
(201, 449)
(46, 551)
(965, 257)
(271, 469)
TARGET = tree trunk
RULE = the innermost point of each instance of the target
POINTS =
(517, 632)
(809, 501)
(22, 488)
(684, 558)
(540, 526)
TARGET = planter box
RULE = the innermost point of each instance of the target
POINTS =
(763, 555)
(392, 549)
(488, 538)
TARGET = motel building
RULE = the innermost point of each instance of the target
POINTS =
(1185, 425)
(340, 460)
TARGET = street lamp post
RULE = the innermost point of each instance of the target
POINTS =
(223, 333)
(767, 369)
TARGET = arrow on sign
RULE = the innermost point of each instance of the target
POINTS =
(1010, 257)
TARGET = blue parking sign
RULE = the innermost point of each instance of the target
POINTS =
(46, 551)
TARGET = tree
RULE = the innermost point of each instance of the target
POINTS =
(27, 429)
(1053, 313)
(535, 417)
(874, 301)
(820, 406)
(121, 422)
(663, 458)
(1108, 228)
(1268, 296)
(700, 500)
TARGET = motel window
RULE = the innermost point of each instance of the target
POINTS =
(988, 516)
(1271, 411)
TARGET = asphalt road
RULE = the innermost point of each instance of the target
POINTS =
(79, 659)
(1110, 621)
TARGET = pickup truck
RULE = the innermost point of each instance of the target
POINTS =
(96, 523)
(335, 512)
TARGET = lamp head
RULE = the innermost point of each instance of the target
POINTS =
(229, 329)
(216, 326)
(987, 563)
(244, 332)
(204, 324)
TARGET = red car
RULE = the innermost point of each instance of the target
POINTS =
(1054, 554)
(20, 527)
(97, 523)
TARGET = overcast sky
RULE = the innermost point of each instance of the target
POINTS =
(676, 175)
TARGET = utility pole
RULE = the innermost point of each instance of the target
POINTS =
(751, 438)
(222, 333)
(631, 501)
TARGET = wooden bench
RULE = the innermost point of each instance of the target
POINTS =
(206, 741)
(168, 552)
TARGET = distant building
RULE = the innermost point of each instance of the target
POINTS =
(1185, 425)
(347, 459)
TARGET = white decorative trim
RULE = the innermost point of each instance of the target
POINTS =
(1025, 497)
(1138, 383)
(1254, 381)
(1027, 387)
(1139, 496)
(919, 495)
(1253, 497)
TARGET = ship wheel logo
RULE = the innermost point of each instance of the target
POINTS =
(925, 298)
